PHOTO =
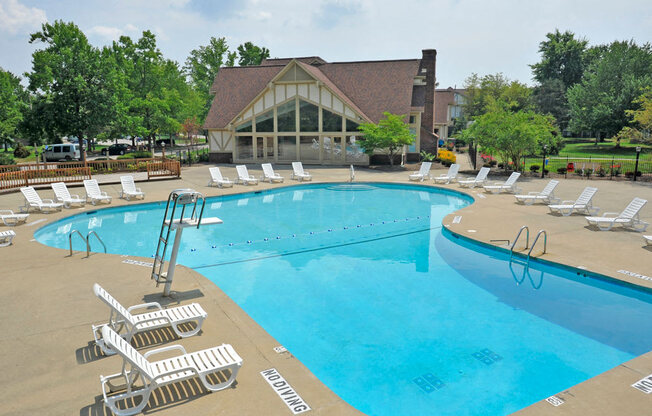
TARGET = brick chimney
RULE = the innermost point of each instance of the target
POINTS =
(427, 68)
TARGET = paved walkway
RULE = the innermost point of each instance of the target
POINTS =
(50, 365)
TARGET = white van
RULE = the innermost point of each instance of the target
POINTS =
(56, 152)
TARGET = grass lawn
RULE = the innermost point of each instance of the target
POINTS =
(588, 148)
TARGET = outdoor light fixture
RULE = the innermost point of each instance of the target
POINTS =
(638, 153)
(543, 161)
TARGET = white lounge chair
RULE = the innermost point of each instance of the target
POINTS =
(218, 179)
(129, 189)
(583, 204)
(243, 176)
(298, 173)
(32, 200)
(648, 239)
(629, 218)
(450, 175)
(9, 218)
(508, 186)
(93, 192)
(6, 237)
(479, 180)
(122, 319)
(222, 362)
(269, 174)
(62, 195)
(423, 173)
(546, 195)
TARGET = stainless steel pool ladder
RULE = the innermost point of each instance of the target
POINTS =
(86, 240)
(527, 241)
(545, 243)
(183, 197)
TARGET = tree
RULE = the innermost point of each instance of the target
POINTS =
(641, 119)
(562, 58)
(70, 80)
(550, 98)
(12, 106)
(203, 65)
(389, 135)
(609, 88)
(513, 135)
(482, 93)
(251, 54)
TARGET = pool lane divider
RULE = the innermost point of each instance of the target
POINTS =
(285, 391)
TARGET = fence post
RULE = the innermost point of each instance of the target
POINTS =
(638, 153)
(613, 159)
(25, 174)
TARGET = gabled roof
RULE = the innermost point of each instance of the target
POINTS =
(310, 60)
(369, 87)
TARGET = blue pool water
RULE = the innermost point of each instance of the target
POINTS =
(394, 314)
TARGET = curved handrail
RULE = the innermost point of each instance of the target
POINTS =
(70, 234)
(545, 243)
(88, 242)
(527, 239)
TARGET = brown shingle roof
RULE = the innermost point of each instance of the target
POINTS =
(310, 60)
(234, 89)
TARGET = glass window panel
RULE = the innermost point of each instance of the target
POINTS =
(285, 115)
(309, 148)
(287, 148)
(413, 119)
(354, 150)
(351, 125)
(244, 147)
(244, 127)
(308, 116)
(331, 121)
(265, 122)
(413, 147)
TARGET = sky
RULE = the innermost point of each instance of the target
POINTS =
(470, 36)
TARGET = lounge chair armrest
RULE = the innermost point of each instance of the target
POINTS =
(49, 201)
(6, 212)
(566, 202)
(145, 305)
(139, 190)
(103, 193)
(606, 214)
(165, 349)
(178, 370)
(533, 193)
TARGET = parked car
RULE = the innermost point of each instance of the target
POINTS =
(56, 152)
(117, 149)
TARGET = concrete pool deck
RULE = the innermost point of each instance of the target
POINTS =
(50, 365)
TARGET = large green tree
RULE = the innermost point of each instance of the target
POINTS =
(482, 93)
(70, 80)
(251, 54)
(609, 88)
(12, 107)
(549, 97)
(389, 135)
(562, 58)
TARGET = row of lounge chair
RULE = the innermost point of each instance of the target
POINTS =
(245, 178)
(121, 394)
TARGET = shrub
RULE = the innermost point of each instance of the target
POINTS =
(535, 168)
(630, 174)
(21, 151)
(446, 156)
(7, 159)
(142, 154)
(546, 171)
(562, 171)
(126, 156)
(486, 165)
(427, 157)
(493, 163)
(501, 165)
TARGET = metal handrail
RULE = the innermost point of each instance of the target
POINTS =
(70, 234)
(88, 242)
(545, 243)
(527, 239)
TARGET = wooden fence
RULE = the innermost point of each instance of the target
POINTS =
(15, 176)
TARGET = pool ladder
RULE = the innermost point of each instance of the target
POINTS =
(527, 242)
(87, 240)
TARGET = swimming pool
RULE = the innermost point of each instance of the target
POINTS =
(394, 314)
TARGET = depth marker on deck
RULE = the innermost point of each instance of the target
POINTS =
(637, 275)
(555, 401)
(35, 222)
(138, 263)
(644, 384)
(457, 219)
(290, 397)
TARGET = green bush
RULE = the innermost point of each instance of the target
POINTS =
(21, 151)
(535, 168)
(562, 171)
(492, 163)
(427, 157)
(126, 156)
(7, 159)
(143, 154)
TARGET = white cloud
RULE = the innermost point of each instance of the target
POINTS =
(131, 28)
(15, 17)
(106, 32)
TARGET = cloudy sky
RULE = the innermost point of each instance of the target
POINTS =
(478, 36)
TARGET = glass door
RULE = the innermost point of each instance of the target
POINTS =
(265, 148)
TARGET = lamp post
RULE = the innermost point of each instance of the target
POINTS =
(163, 150)
(638, 153)
(543, 161)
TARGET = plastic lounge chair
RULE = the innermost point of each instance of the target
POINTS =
(123, 319)
(129, 189)
(93, 192)
(62, 195)
(583, 204)
(243, 176)
(450, 175)
(298, 173)
(423, 173)
(9, 218)
(546, 195)
(269, 174)
(218, 179)
(6, 237)
(508, 186)
(648, 239)
(155, 374)
(32, 200)
(477, 181)
(628, 218)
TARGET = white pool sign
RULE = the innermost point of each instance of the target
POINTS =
(290, 397)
